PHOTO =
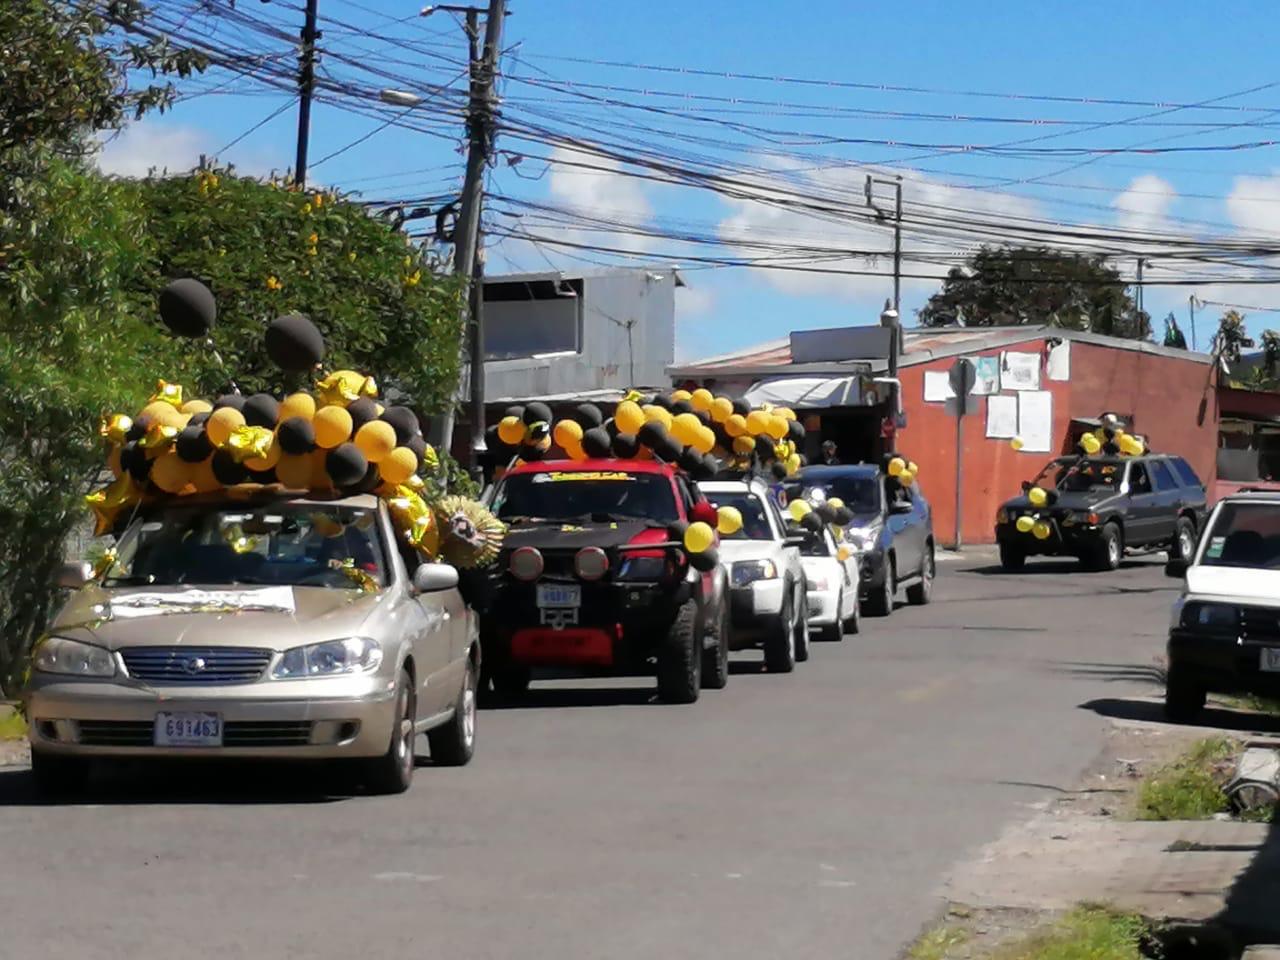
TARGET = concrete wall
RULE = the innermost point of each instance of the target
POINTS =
(1162, 393)
(606, 360)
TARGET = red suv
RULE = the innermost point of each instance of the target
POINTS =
(593, 578)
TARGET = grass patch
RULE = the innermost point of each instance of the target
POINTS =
(938, 944)
(1086, 933)
(1191, 787)
(12, 726)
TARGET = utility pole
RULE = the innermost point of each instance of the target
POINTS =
(466, 241)
(1140, 261)
(306, 83)
(1191, 302)
(896, 183)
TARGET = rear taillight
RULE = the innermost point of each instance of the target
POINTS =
(591, 563)
(525, 564)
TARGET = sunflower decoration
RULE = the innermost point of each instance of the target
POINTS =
(470, 535)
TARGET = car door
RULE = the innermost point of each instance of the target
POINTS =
(901, 523)
(1192, 490)
(427, 625)
(1142, 509)
(848, 576)
(1169, 498)
(792, 563)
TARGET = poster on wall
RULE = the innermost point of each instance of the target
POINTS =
(1002, 417)
(937, 386)
(987, 379)
(1058, 365)
(1035, 420)
(1019, 371)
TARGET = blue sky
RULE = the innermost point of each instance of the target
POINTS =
(1172, 53)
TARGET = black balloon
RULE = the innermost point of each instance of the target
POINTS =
(596, 442)
(765, 448)
(812, 521)
(139, 428)
(198, 419)
(227, 470)
(690, 460)
(741, 407)
(235, 401)
(681, 406)
(611, 426)
(844, 516)
(826, 511)
(626, 446)
(263, 476)
(532, 454)
(588, 415)
(296, 436)
(405, 422)
(663, 401)
(418, 445)
(778, 470)
(192, 444)
(493, 442)
(1111, 449)
(676, 530)
(795, 430)
(668, 449)
(346, 465)
(706, 561)
(516, 411)
(261, 410)
(362, 411)
(537, 412)
(294, 343)
(537, 431)
(133, 460)
(188, 308)
(369, 483)
(704, 416)
(651, 434)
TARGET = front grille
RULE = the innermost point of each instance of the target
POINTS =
(196, 665)
(1260, 625)
(240, 733)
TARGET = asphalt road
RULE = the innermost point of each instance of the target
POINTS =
(809, 815)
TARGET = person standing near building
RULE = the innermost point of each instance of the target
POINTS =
(829, 453)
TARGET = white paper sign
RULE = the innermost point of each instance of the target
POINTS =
(1035, 420)
(986, 376)
(1002, 416)
(1019, 371)
(937, 386)
(1058, 366)
(156, 603)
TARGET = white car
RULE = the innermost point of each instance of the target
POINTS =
(768, 596)
(834, 609)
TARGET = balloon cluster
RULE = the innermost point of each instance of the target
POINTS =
(337, 439)
(696, 430)
(1112, 440)
(1034, 523)
(815, 511)
(900, 470)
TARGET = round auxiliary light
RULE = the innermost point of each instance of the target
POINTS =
(525, 564)
(591, 563)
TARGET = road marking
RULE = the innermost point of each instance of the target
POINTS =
(415, 877)
(925, 691)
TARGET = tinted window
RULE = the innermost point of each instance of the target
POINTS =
(1081, 475)
(1244, 535)
(755, 522)
(1138, 480)
(1185, 473)
(586, 495)
(1163, 478)
(860, 494)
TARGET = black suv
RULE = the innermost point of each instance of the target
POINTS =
(891, 530)
(1097, 507)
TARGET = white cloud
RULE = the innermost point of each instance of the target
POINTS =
(694, 301)
(1254, 204)
(142, 147)
(1144, 206)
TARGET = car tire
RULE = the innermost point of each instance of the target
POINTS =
(802, 630)
(1183, 546)
(393, 771)
(779, 643)
(715, 660)
(1011, 558)
(680, 659)
(880, 600)
(921, 592)
(1184, 696)
(854, 623)
(454, 743)
(1108, 552)
(57, 776)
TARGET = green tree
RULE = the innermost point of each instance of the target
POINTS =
(1002, 286)
(1232, 337)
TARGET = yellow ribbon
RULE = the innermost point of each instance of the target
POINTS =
(115, 428)
(249, 443)
(345, 386)
(158, 436)
(166, 392)
(107, 503)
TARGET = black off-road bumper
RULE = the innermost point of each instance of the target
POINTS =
(1221, 663)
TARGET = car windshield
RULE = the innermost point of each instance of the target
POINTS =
(861, 494)
(296, 544)
(1081, 475)
(755, 523)
(1244, 535)
(591, 495)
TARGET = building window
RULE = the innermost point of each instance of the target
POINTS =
(532, 318)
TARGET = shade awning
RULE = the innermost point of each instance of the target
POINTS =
(811, 392)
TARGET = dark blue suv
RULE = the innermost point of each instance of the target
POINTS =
(891, 530)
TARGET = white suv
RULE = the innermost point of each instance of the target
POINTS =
(767, 589)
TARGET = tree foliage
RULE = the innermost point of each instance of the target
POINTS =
(1009, 286)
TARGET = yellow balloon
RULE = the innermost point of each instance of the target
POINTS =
(702, 399)
(268, 462)
(799, 509)
(511, 431)
(567, 434)
(757, 422)
(1016, 443)
(1089, 443)
(319, 471)
(656, 414)
(376, 439)
(843, 554)
(573, 450)
(743, 445)
(699, 537)
(721, 409)
(628, 416)
(686, 427)
(704, 440)
(786, 412)
(1037, 496)
(398, 466)
(1139, 448)
(1024, 524)
(162, 412)
(678, 395)
(835, 503)
(171, 473)
(203, 477)
(728, 521)
(915, 471)
(332, 425)
(777, 427)
(294, 471)
(906, 478)
(1041, 530)
(896, 466)
(197, 406)
(793, 463)
(298, 405)
(736, 425)
(221, 423)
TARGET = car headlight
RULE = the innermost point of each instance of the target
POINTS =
(329, 659)
(1213, 615)
(72, 658)
(749, 571)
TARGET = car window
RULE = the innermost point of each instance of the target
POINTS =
(755, 520)
(1185, 473)
(861, 494)
(1139, 482)
(1163, 476)
(578, 495)
(819, 546)
(1081, 475)
(687, 497)
(1244, 535)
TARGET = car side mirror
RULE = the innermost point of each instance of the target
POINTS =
(1176, 568)
(900, 506)
(434, 577)
(73, 576)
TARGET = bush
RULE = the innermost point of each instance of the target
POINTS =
(1190, 788)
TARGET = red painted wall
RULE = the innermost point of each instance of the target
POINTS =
(1162, 393)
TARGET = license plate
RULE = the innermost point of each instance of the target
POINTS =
(188, 730)
(1271, 659)
(559, 595)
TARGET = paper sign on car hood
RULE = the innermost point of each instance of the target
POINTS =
(1241, 583)
(149, 604)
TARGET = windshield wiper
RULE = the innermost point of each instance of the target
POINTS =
(133, 580)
